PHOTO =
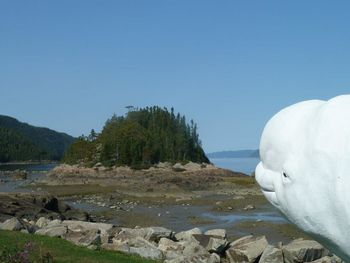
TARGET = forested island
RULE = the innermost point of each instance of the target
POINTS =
(139, 139)
(23, 142)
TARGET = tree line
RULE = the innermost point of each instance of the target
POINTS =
(140, 138)
(23, 142)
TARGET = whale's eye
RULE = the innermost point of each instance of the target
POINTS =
(285, 175)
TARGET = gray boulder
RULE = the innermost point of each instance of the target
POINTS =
(170, 248)
(221, 233)
(178, 167)
(201, 239)
(149, 233)
(55, 222)
(328, 259)
(271, 255)
(214, 258)
(126, 233)
(191, 166)
(165, 165)
(147, 252)
(117, 245)
(217, 245)
(247, 249)
(303, 251)
(193, 249)
(86, 238)
(109, 235)
(42, 222)
(75, 225)
(156, 233)
(54, 231)
(188, 235)
(12, 224)
(135, 245)
(210, 258)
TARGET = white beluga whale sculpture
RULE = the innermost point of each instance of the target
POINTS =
(305, 169)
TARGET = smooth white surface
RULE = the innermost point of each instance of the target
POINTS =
(305, 169)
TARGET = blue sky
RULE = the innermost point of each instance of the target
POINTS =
(229, 65)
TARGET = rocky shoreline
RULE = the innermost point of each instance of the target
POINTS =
(172, 197)
(162, 244)
(196, 195)
(80, 174)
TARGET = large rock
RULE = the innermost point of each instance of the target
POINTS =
(170, 248)
(201, 239)
(147, 252)
(328, 259)
(192, 166)
(247, 249)
(74, 214)
(32, 207)
(193, 248)
(217, 245)
(303, 251)
(74, 225)
(127, 233)
(109, 235)
(139, 246)
(178, 167)
(221, 233)
(55, 231)
(149, 233)
(117, 245)
(12, 224)
(209, 258)
(188, 235)
(165, 165)
(214, 258)
(55, 222)
(272, 255)
(42, 222)
(84, 238)
(53, 204)
(156, 233)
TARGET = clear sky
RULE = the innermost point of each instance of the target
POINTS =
(229, 65)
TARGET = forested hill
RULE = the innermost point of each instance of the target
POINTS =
(140, 138)
(23, 142)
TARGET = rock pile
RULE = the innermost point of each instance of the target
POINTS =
(162, 244)
(32, 207)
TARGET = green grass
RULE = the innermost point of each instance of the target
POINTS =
(61, 250)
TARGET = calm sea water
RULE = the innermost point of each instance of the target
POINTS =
(28, 167)
(10, 184)
(243, 165)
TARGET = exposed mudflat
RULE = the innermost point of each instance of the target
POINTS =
(207, 198)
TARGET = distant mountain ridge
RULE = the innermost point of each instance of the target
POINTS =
(20, 141)
(235, 154)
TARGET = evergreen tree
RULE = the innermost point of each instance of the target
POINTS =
(141, 138)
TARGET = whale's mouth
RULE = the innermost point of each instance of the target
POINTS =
(271, 196)
(266, 189)
(264, 178)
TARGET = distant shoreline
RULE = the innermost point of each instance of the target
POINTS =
(229, 157)
(234, 154)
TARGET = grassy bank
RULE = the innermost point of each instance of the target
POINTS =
(41, 248)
